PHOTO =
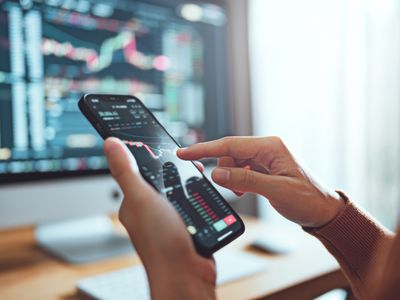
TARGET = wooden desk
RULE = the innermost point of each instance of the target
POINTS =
(28, 273)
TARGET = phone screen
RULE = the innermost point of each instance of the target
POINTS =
(208, 217)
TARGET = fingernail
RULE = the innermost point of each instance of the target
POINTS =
(221, 175)
(180, 151)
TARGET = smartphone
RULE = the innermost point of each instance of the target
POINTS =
(209, 219)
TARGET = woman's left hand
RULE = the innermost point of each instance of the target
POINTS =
(174, 269)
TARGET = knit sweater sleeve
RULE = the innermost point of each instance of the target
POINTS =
(356, 241)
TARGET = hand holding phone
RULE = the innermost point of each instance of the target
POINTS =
(174, 269)
(209, 219)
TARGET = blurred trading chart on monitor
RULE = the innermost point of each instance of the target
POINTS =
(52, 52)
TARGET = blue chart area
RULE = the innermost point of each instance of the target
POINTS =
(129, 48)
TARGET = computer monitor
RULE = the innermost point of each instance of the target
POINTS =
(174, 55)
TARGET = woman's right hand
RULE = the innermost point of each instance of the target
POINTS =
(265, 166)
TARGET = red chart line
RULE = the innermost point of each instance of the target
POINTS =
(141, 144)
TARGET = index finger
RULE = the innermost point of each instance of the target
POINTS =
(235, 147)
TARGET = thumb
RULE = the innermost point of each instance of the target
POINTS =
(246, 180)
(123, 167)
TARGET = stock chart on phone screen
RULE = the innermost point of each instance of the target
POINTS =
(54, 51)
(205, 213)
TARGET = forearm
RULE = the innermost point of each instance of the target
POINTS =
(358, 243)
(178, 286)
(186, 279)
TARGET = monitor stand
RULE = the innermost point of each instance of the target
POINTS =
(83, 240)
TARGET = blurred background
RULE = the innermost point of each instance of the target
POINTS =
(325, 77)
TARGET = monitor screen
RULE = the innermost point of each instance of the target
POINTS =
(170, 54)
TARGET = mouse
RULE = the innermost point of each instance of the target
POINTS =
(272, 245)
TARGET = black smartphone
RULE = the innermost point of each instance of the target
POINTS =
(209, 219)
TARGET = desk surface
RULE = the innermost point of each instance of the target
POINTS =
(28, 273)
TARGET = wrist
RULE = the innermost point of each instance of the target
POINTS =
(183, 280)
(180, 286)
(333, 206)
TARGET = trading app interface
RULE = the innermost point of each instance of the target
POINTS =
(206, 214)
(53, 51)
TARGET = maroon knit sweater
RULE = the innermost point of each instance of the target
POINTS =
(368, 254)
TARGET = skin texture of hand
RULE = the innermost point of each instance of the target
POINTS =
(174, 269)
(265, 166)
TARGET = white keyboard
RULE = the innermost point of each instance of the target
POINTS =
(131, 283)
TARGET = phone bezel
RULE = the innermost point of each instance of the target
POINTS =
(105, 133)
